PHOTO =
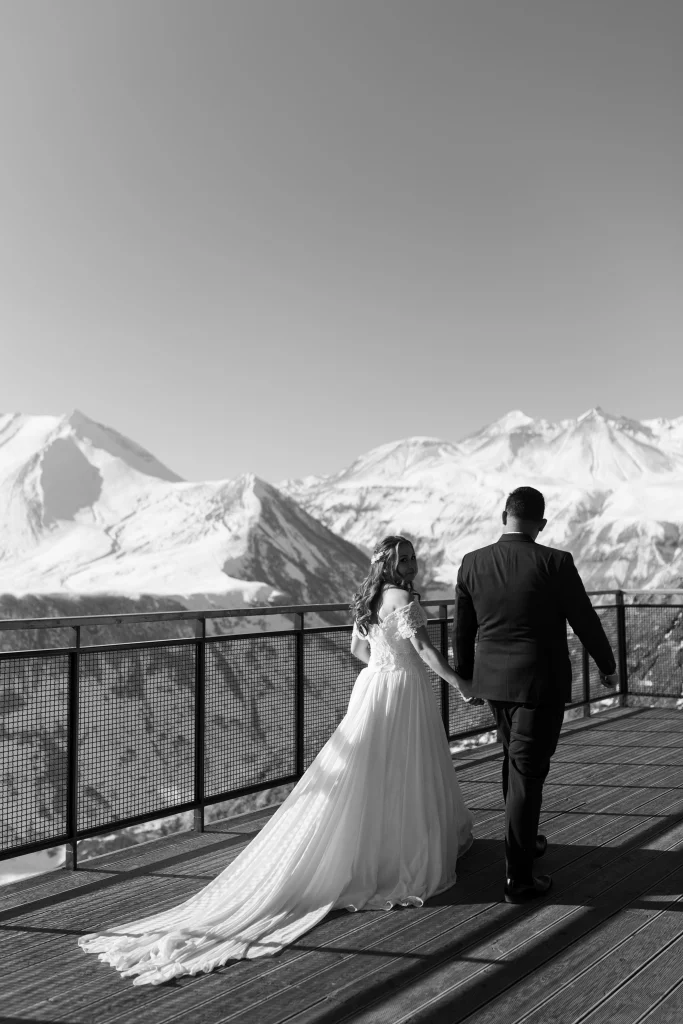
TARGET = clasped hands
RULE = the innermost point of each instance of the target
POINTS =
(463, 686)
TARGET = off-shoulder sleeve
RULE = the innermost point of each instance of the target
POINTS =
(409, 619)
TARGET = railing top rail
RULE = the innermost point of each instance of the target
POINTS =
(672, 590)
(128, 618)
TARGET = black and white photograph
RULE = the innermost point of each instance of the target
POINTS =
(341, 511)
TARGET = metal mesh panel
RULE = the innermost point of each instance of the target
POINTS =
(33, 749)
(608, 617)
(655, 650)
(576, 659)
(250, 727)
(465, 717)
(330, 670)
(136, 732)
(434, 632)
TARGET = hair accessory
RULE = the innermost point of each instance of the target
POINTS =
(377, 557)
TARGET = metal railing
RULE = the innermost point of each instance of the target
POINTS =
(97, 737)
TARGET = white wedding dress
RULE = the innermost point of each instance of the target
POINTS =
(377, 820)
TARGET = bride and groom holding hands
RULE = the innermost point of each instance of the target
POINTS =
(378, 819)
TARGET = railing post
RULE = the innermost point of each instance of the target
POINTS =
(199, 723)
(445, 688)
(622, 650)
(586, 675)
(71, 861)
(299, 705)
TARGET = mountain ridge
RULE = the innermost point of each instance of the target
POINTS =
(613, 487)
(88, 511)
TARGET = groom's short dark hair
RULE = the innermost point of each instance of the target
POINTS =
(525, 503)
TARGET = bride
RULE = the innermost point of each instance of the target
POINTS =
(377, 820)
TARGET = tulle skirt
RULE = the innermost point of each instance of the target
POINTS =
(377, 820)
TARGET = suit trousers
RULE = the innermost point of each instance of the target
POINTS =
(529, 734)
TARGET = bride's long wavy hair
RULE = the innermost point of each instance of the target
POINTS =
(383, 569)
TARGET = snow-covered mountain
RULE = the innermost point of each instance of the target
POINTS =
(84, 510)
(613, 487)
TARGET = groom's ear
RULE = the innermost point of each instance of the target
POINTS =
(542, 526)
(504, 518)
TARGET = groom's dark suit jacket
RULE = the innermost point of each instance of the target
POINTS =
(519, 595)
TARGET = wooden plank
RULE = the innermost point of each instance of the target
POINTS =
(655, 718)
(584, 797)
(619, 756)
(626, 753)
(640, 940)
(668, 1011)
(617, 739)
(630, 1001)
(564, 782)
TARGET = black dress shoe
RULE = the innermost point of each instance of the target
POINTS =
(541, 845)
(523, 892)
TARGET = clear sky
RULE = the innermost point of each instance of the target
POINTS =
(268, 235)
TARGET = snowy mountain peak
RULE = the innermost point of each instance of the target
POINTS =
(596, 413)
(599, 417)
(118, 446)
(510, 421)
(507, 424)
(393, 461)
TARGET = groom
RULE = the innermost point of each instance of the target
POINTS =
(519, 595)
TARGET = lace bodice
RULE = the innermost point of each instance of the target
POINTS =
(390, 646)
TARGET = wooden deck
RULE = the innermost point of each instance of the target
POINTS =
(605, 947)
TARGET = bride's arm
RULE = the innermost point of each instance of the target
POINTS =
(435, 660)
(360, 647)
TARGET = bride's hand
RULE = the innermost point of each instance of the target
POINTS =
(464, 688)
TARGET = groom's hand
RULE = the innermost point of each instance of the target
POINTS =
(609, 680)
